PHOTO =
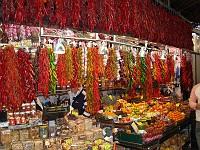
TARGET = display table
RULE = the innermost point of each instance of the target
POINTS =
(184, 124)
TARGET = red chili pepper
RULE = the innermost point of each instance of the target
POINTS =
(43, 69)
(26, 74)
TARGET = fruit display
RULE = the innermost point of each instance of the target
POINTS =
(152, 119)
(176, 115)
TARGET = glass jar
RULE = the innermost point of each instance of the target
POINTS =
(11, 121)
(28, 107)
(33, 106)
(43, 130)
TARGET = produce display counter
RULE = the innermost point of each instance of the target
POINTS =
(126, 140)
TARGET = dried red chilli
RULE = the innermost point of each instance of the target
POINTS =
(138, 71)
(118, 16)
(50, 9)
(61, 70)
(170, 63)
(76, 9)
(149, 82)
(2, 80)
(43, 70)
(124, 6)
(74, 82)
(143, 69)
(91, 15)
(96, 92)
(30, 11)
(60, 16)
(20, 12)
(107, 19)
(157, 72)
(186, 80)
(6, 12)
(13, 88)
(41, 12)
(26, 74)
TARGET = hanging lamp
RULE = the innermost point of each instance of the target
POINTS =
(59, 49)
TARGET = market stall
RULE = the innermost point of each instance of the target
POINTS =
(132, 85)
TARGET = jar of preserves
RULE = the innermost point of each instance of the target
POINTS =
(11, 121)
(28, 107)
(43, 130)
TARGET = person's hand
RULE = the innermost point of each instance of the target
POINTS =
(197, 107)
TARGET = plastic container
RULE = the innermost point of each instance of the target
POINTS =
(38, 144)
(43, 130)
(17, 146)
(24, 134)
(6, 137)
(34, 133)
(28, 145)
(15, 135)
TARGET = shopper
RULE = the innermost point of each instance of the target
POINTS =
(78, 100)
(194, 102)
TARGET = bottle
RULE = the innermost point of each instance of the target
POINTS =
(3, 114)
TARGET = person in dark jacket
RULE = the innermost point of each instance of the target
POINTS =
(78, 100)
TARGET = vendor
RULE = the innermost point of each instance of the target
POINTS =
(77, 96)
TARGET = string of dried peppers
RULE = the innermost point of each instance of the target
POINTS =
(69, 64)
(26, 75)
(186, 80)
(92, 91)
(2, 79)
(75, 80)
(149, 81)
(61, 70)
(111, 66)
(13, 87)
(52, 71)
(80, 66)
(43, 69)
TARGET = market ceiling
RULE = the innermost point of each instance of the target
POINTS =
(189, 9)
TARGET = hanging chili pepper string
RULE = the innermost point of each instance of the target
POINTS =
(76, 9)
(43, 69)
(80, 66)
(148, 82)
(111, 67)
(52, 71)
(74, 81)
(69, 64)
(20, 12)
(26, 74)
(61, 70)
(95, 81)
(89, 83)
(2, 80)
(13, 86)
